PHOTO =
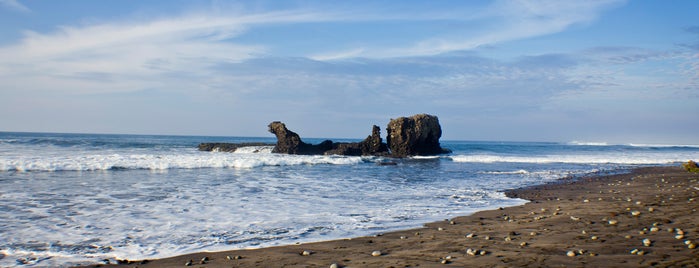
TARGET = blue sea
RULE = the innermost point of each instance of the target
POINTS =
(69, 199)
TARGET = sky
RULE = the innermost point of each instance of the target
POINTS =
(589, 71)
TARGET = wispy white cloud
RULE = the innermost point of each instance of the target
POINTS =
(142, 50)
(503, 21)
(14, 5)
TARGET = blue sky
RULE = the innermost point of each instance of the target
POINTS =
(599, 71)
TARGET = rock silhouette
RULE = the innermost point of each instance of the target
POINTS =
(415, 135)
(407, 136)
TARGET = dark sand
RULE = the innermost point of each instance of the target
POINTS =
(571, 217)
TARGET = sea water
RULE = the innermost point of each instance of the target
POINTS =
(68, 199)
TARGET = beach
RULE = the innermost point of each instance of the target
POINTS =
(647, 217)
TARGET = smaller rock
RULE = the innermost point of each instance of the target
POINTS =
(376, 253)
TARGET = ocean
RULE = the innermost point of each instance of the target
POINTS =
(68, 199)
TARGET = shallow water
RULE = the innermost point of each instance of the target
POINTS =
(69, 199)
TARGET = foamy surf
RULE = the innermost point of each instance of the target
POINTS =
(626, 159)
(77, 199)
(90, 161)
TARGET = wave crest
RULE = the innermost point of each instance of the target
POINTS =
(165, 161)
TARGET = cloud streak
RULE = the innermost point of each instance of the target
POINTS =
(14, 5)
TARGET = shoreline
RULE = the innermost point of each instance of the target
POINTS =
(595, 221)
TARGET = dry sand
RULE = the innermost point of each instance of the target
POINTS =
(598, 221)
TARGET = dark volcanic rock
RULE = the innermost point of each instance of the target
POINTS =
(288, 142)
(415, 135)
(407, 136)
(372, 145)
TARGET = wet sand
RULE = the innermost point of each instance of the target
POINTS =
(644, 218)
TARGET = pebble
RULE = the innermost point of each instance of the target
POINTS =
(440, 229)
(635, 213)
(532, 233)
(487, 237)
(691, 246)
(471, 235)
(189, 263)
(334, 265)
(651, 209)
(574, 218)
(679, 236)
(306, 253)
(570, 253)
(523, 244)
(594, 237)
(376, 253)
(647, 242)
(613, 222)
(654, 229)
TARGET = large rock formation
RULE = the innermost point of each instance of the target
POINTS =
(372, 145)
(407, 136)
(288, 142)
(415, 135)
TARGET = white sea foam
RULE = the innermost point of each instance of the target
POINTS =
(85, 161)
(589, 143)
(610, 158)
(254, 149)
(144, 198)
(89, 216)
(521, 171)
